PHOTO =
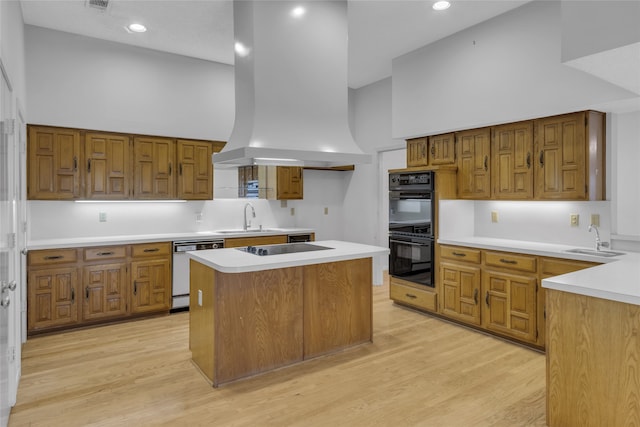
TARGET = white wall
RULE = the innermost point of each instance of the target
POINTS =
(502, 70)
(83, 82)
(625, 158)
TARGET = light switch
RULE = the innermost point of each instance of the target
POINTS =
(595, 220)
(326, 211)
(494, 216)
(293, 211)
(102, 217)
(200, 297)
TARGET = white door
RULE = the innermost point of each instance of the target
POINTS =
(9, 258)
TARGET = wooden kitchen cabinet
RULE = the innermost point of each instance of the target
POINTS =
(195, 170)
(442, 149)
(510, 285)
(108, 167)
(274, 182)
(154, 161)
(570, 156)
(53, 285)
(290, 184)
(104, 291)
(238, 242)
(460, 283)
(53, 167)
(474, 165)
(417, 152)
(511, 157)
(150, 277)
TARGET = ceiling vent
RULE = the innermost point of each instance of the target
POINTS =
(101, 5)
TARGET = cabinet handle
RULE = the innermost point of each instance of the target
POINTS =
(528, 160)
(75, 163)
(433, 150)
(458, 254)
(135, 287)
(475, 296)
(151, 250)
(53, 257)
(180, 169)
(508, 261)
(73, 295)
(541, 159)
(486, 163)
(170, 169)
(486, 299)
(88, 165)
(104, 253)
(411, 296)
(86, 293)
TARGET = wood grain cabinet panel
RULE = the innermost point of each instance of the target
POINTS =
(53, 163)
(52, 298)
(290, 183)
(195, 170)
(417, 152)
(510, 304)
(337, 306)
(442, 149)
(108, 168)
(474, 165)
(104, 291)
(150, 285)
(511, 153)
(460, 291)
(154, 161)
(570, 156)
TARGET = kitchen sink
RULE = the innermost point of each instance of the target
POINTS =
(251, 230)
(606, 254)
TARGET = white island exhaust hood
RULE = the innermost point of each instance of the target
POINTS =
(291, 86)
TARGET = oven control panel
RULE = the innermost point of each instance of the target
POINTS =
(410, 180)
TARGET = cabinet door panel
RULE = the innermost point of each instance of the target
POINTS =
(512, 147)
(53, 159)
(417, 152)
(151, 285)
(195, 170)
(474, 171)
(52, 298)
(104, 291)
(108, 167)
(461, 288)
(154, 160)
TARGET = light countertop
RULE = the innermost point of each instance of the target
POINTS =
(75, 242)
(616, 279)
(232, 260)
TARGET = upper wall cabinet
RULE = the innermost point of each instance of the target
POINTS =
(417, 152)
(570, 156)
(67, 164)
(511, 158)
(53, 164)
(108, 169)
(432, 151)
(474, 166)
(274, 182)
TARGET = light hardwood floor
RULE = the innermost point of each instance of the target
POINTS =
(419, 371)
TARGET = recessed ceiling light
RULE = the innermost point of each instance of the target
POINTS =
(137, 28)
(297, 12)
(441, 5)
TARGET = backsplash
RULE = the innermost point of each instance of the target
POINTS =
(535, 221)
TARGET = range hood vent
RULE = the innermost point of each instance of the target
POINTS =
(291, 86)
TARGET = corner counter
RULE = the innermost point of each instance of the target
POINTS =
(251, 314)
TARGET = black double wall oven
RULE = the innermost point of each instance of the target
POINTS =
(411, 237)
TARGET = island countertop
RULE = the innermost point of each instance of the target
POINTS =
(233, 260)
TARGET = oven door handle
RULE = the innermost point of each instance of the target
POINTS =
(402, 242)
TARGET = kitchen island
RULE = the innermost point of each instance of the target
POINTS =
(251, 314)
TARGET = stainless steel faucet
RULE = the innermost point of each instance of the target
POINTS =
(247, 224)
(599, 244)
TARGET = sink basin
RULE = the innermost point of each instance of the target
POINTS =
(606, 254)
(251, 230)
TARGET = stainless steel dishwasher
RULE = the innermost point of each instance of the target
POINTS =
(180, 282)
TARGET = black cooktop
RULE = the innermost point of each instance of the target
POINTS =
(287, 248)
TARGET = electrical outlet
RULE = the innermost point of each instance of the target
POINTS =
(200, 297)
(102, 217)
(326, 211)
(293, 211)
(283, 203)
(494, 216)
(574, 220)
(595, 220)
(198, 217)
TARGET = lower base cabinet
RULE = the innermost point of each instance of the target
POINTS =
(497, 292)
(69, 288)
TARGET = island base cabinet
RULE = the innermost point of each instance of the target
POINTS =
(259, 322)
(337, 307)
(593, 348)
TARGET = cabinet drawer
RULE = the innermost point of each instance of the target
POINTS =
(151, 249)
(556, 267)
(511, 261)
(107, 252)
(52, 256)
(460, 254)
(412, 296)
